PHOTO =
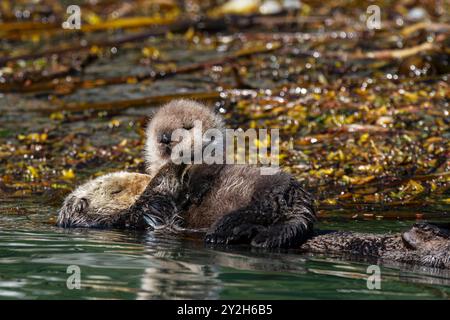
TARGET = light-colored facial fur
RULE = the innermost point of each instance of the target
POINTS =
(102, 197)
(178, 114)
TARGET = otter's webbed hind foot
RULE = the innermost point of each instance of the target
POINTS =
(251, 226)
(284, 235)
(232, 230)
(233, 234)
(238, 227)
(276, 218)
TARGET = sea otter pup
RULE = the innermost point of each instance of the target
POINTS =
(234, 202)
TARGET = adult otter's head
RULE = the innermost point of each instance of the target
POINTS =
(425, 235)
(185, 116)
(430, 244)
(102, 201)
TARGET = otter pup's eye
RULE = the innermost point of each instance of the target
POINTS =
(165, 138)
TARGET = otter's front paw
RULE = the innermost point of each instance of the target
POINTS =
(79, 205)
(242, 234)
(268, 239)
(72, 207)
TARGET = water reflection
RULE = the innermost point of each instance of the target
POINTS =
(189, 270)
(34, 256)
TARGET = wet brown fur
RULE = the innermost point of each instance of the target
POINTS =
(235, 202)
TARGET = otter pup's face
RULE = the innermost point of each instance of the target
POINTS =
(190, 116)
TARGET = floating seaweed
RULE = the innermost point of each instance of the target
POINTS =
(363, 114)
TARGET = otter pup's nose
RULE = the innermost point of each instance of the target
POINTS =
(165, 138)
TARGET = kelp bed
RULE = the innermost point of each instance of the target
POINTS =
(364, 114)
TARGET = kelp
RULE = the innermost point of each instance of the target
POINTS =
(363, 114)
(66, 86)
(125, 104)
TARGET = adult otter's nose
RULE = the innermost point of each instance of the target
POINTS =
(165, 138)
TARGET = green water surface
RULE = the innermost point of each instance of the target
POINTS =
(35, 256)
